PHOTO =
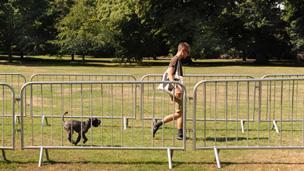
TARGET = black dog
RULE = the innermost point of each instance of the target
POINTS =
(80, 127)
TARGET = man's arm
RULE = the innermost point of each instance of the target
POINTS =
(170, 72)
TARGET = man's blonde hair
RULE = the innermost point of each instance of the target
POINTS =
(182, 45)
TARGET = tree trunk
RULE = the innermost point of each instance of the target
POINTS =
(21, 55)
(83, 56)
(73, 57)
(10, 56)
(261, 58)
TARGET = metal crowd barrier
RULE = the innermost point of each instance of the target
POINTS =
(294, 76)
(81, 77)
(259, 102)
(16, 81)
(283, 76)
(109, 101)
(7, 121)
(191, 79)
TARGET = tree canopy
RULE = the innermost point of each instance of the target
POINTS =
(134, 29)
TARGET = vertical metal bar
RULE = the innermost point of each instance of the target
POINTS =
(215, 112)
(101, 106)
(62, 109)
(184, 116)
(302, 118)
(226, 112)
(14, 114)
(153, 110)
(21, 113)
(91, 109)
(289, 89)
(142, 111)
(260, 110)
(173, 122)
(112, 113)
(274, 106)
(292, 112)
(248, 108)
(3, 107)
(32, 115)
(134, 93)
(269, 108)
(194, 118)
(25, 97)
(254, 101)
(122, 115)
(42, 110)
(296, 99)
(205, 112)
(237, 109)
(52, 113)
(162, 112)
(281, 113)
(81, 108)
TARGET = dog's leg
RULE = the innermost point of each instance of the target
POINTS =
(78, 139)
(85, 139)
(70, 137)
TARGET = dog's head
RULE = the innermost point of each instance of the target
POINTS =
(95, 122)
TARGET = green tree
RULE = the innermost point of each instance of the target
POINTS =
(130, 39)
(10, 19)
(294, 15)
(194, 21)
(78, 31)
(27, 26)
(263, 30)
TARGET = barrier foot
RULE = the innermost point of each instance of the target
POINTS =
(275, 126)
(17, 119)
(40, 157)
(170, 156)
(47, 154)
(217, 157)
(242, 126)
(125, 123)
(4, 155)
(44, 120)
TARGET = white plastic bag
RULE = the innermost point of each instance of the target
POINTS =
(166, 87)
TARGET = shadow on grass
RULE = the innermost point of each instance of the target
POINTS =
(259, 163)
(164, 163)
(176, 164)
(224, 139)
(97, 62)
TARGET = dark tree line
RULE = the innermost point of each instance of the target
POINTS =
(132, 29)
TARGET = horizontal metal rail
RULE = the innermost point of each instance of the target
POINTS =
(283, 76)
(81, 77)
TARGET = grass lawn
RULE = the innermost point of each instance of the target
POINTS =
(149, 160)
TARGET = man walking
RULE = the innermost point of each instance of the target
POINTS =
(175, 73)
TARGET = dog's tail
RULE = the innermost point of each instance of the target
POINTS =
(63, 116)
